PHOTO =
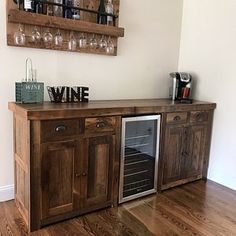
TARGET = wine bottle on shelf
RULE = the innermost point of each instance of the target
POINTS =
(29, 5)
(110, 10)
(102, 19)
(67, 9)
(58, 10)
(75, 12)
(39, 7)
(19, 4)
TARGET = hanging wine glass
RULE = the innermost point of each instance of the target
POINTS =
(19, 36)
(58, 39)
(103, 43)
(110, 49)
(35, 35)
(93, 42)
(47, 37)
(82, 41)
(72, 44)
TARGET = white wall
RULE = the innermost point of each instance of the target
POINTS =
(147, 53)
(208, 50)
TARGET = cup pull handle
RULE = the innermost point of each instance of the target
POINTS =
(60, 128)
(101, 125)
(177, 118)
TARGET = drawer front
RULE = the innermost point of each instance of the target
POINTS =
(100, 124)
(199, 116)
(176, 118)
(56, 129)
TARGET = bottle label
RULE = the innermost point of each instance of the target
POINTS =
(28, 4)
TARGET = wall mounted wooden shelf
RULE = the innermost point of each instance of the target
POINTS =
(17, 16)
(86, 25)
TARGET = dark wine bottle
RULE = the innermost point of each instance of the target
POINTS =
(19, 4)
(29, 5)
(39, 7)
(102, 19)
(67, 13)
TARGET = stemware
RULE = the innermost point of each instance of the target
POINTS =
(35, 35)
(110, 49)
(19, 36)
(58, 39)
(82, 41)
(93, 42)
(47, 37)
(72, 44)
(103, 42)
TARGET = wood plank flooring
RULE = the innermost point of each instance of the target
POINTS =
(197, 208)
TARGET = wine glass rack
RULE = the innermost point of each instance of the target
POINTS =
(86, 25)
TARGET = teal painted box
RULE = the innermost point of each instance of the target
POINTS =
(29, 92)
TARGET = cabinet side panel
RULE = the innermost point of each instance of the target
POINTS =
(35, 176)
(21, 156)
(207, 145)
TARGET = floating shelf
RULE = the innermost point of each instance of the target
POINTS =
(86, 25)
(17, 16)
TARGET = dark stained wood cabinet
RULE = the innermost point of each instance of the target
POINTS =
(172, 157)
(67, 156)
(185, 147)
(97, 173)
(57, 171)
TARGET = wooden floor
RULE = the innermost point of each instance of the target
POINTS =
(198, 208)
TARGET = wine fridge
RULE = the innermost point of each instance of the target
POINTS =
(139, 156)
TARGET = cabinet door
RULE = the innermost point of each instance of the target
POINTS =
(195, 151)
(173, 154)
(57, 173)
(97, 170)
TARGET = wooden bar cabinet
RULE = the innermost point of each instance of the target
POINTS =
(67, 156)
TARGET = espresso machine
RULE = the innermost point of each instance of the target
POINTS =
(181, 87)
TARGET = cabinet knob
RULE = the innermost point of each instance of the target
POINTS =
(84, 174)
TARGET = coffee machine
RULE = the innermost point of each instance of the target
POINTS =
(181, 88)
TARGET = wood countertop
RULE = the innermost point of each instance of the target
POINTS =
(48, 110)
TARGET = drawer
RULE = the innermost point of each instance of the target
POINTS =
(176, 118)
(56, 129)
(100, 124)
(199, 116)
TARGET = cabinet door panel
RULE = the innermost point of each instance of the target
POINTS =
(97, 174)
(195, 152)
(173, 160)
(57, 178)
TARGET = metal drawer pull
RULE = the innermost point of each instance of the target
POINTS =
(177, 118)
(101, 125)
(60, 128)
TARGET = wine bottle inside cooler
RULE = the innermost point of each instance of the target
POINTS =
(102, 19)
(29, 5)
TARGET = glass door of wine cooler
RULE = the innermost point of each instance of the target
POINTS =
(139, 156)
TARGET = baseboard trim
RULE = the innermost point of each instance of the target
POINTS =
(6, 193)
